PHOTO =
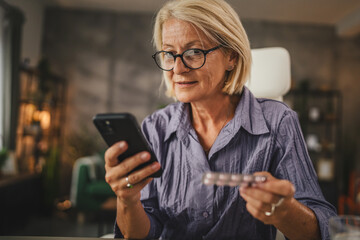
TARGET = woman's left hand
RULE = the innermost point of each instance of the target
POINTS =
(269, 201)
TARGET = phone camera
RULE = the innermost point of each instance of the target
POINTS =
(108, 127)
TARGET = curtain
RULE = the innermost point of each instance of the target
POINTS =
(11, 22)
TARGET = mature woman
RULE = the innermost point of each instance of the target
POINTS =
(216, 125)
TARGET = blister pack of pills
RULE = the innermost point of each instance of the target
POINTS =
(232, 180)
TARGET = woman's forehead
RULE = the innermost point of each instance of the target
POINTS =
(175, 31)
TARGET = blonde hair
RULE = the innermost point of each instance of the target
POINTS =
(221, 24)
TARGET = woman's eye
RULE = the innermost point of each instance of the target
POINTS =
(168, 55)
(193, 52)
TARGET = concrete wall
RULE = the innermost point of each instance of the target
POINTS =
(107, 61)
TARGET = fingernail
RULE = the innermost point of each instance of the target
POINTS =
(155, 166)
(122, 145)
(144, 156)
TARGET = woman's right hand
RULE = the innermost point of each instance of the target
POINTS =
(116, 173)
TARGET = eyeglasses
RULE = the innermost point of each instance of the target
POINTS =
(192, 58)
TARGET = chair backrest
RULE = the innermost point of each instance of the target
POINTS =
(270, 73)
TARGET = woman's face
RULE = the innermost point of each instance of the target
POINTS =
(200, 84)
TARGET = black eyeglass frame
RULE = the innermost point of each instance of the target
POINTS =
(205, 52)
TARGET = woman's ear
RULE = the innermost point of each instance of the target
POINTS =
(232, 60)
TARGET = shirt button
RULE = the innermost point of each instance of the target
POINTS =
(205, 214)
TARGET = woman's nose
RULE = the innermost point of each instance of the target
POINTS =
(179, 66)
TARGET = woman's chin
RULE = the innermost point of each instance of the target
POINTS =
(185, 98)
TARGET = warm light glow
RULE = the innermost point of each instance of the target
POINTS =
(45, 119)
(28, 113)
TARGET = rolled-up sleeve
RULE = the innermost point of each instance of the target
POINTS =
(155, 216)
(294, 164)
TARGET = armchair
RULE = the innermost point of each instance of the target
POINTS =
(270, 75)
(88, 187)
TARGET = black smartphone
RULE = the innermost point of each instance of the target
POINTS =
(115, 127)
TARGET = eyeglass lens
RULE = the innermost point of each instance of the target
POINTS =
(192, 58)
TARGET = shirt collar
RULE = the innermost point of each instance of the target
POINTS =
(180, 122)
(248, 115)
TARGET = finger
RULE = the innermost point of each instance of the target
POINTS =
(277, 186)
(130, 163)
(113, 152)
(137, 186)
(126, 166)
(258, 214)
(120, 189)
(256, 203)
(261, 195)
(127, 194)
(143, 173)
(280, 187)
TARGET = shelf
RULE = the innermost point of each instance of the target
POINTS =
(8, 180)
(315, 93)
(319, 114)
(319, 123)
(41, 111)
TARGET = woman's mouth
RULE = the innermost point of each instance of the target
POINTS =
(186, 84)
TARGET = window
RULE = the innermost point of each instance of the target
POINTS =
(11, 21)
(2, 96)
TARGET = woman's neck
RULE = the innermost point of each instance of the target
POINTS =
(208, 118)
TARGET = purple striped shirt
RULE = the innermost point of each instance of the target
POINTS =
(264, 135)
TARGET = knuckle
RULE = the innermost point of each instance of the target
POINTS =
(108, 178)
(291, 190)
(262, 205)
(107, 154)
(134, 179)
(257, 214)
(126, 167)
(273, 199)
(115, 188)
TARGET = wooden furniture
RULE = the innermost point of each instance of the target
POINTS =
(41, 113)
(21, 197)
(350, 204)
(319, 113)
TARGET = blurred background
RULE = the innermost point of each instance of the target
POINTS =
(63, 61)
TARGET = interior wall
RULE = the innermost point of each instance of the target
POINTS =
(324, 59)
(107, 61)
(33, 11)
(106, 58)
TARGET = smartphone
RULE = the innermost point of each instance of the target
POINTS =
(115, 127)
(231, 179)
